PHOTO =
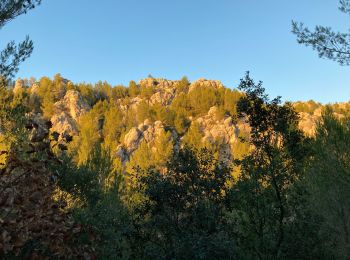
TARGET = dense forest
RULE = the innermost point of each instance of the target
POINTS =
(171, 169)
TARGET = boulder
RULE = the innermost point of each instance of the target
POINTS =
(145, 131)
(38, 127)
(74, 104)
(307, 123)
(206, 83)
(63, 123)
(132, 139)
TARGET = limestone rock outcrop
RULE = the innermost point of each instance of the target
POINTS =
(68, 112)
(165, 90)
(307, 123)
(132, 139)
(206, 83)
(224, 130)
(74, 104)
(147, 132)
(38, 127)
(63, 123)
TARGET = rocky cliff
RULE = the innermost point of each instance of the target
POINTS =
(214, 127)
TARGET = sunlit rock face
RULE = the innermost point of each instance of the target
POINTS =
(227, 130)
(307, 123)
(146, 131)
(68, 111)
(206, 83)
(164, 90)
(74, 104)
(64, 123)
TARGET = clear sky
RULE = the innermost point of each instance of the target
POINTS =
(123, 40)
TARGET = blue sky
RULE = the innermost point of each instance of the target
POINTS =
(123, 40)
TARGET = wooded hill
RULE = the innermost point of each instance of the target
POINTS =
(171, 169)
(143, 123)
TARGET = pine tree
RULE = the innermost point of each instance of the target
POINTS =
(183, 85)
(113, 128)
(144, 112)
(90, 131)
(163, 148)
(134, 89)
(328, 182)
(181, 123)
(141, 160)
(193, 137)
(328, 43)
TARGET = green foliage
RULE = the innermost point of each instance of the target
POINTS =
(144, 112)
(230, 100)
(134, 89)
(329, 181)
(183, 215)
(328, 43)
(95, 186)
(13, 135)
(181, 105)
(203, 98)
(163, 114)
(183, 85)
(91, 126)
(307, 107)
(146, 91)
(119, 92)
(181, 123)
(60, 87)
(261, 197)
(113, 127)
(193, 137)
(13, 54)
(47, 106)
(285, 198)
(49, 92)
(163, 148)
(103, 91)
(131, 119)
(88, 93)
(107, 227)
(142, 158)
(139, 164)
(200, 99)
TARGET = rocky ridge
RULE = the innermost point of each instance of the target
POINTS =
(73, 106)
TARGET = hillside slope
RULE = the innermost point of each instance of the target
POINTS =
(148, 120)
